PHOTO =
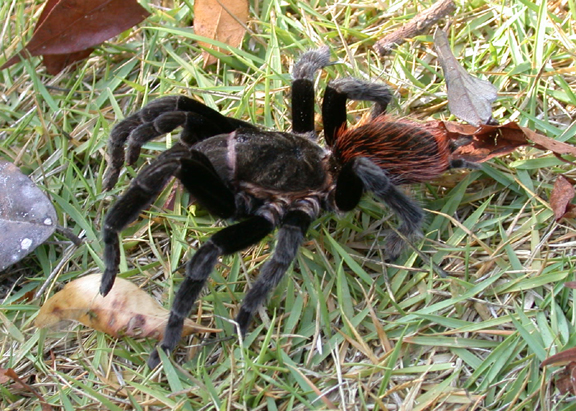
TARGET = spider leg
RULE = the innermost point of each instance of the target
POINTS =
(461, 163)
(374, 179)
(160, 117)
(303, 88)
(141, 193)
(228, 240)
(290, 237)
(198, 176)
(334, 114)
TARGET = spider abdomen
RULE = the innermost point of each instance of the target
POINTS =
(408, 153)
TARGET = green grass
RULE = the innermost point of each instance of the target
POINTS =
(344, 324)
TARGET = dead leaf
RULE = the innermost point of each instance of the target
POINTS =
(488, 141)
(27, 217)
(126, 311)
(562, 358)
(4, 378)
(561, 197)
(68, 29)
(57, 62)
(469, 98)
(566, 379)
(220, 20)
(570, 284)
(7, 374)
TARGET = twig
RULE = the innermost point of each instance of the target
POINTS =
(66, 232)
(417, 25)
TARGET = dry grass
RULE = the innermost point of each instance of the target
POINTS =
(344, 330)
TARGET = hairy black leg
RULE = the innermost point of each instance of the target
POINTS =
(349, 188)
(290, 237)
(200, 178)
(167, 113)
(349, 88)
(226, 241)
(411, 215)
(197, 175)
(195, 128)
(303, 88)
(141, 193)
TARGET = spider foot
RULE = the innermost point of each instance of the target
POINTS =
(461, 163)
(154, 359)
(107, 281)
(397, 243)
(310, 62)
(243, 319)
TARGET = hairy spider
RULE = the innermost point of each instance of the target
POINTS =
(270, 179)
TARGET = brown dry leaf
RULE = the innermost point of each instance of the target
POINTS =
(4, 377)
(126, 311)
(562, 358)
(68, 29)
(220, 20)
(488, 141)
(561, 197)
(570, 284)
(7, 374)
(566, 379)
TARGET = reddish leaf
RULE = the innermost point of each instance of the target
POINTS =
(566, 380)
(126, 310)
(4, 377)
(563, 357)
(469, 98)
(55, 63)
(570, 284)
(68, 28)
(220, 20)
(561, 197)
(488, 141)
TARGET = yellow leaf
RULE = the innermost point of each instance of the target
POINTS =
(126, 311)
(222, 20)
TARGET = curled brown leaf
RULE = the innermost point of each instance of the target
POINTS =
(126, 311)
(7, 374)
(561, 198)
(566, 379)
(479, 144)
(562, 358)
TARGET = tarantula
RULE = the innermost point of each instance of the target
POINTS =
(270, 179)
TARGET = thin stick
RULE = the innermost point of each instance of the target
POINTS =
(419, 24)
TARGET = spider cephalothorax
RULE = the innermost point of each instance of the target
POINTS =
(269, 179)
